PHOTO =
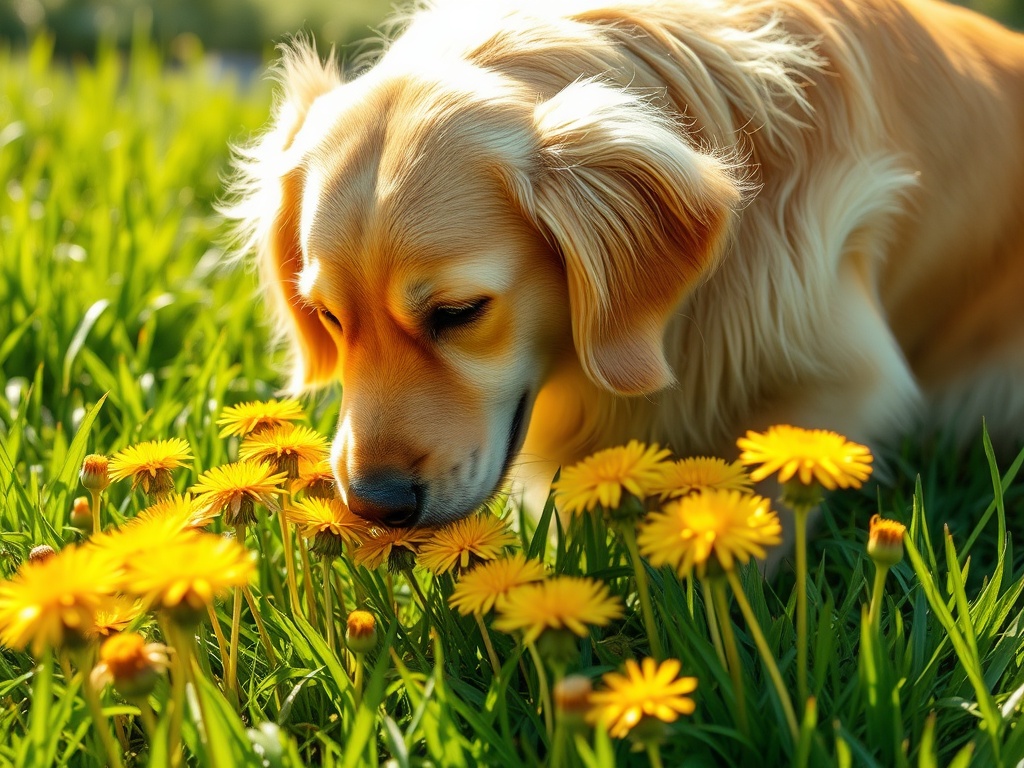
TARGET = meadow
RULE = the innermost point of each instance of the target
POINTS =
(230, 617)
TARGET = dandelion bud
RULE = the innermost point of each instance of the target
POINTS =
(94, 473)
(572, 698)
(81, 514)
(885, 541)
(361, 632)
(41, 553)
(132, 665)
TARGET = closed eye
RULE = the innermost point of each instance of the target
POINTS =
(449, 317)
(328, 317)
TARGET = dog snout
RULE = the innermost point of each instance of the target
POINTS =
(386, 497)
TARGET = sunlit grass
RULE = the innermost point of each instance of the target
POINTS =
(121, 323)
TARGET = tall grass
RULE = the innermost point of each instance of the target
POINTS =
(119, 322)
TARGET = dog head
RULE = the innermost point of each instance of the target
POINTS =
(438, 240)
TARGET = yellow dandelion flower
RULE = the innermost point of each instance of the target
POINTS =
(235, 489)
(813, 456)
(115, 614)
(316, 481)
(729, 525)
(149, 464)
(647, 690)
(689, 475)
(465, 542)
(330, 523)
(156, 527)
(561, 602)
(481, 587)
(601, 478)
(248, 418)
(131, 664)
(284, 447)
(885, 541)
(396, 547)
(53, 603)
(185, 576)
(182, 510)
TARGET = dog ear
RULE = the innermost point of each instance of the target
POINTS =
(268, 193)
(639, 215)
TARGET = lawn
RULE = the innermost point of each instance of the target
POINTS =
(123, 321)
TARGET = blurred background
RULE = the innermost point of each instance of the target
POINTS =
(243, 27)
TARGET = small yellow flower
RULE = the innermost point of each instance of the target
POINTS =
(330, 523)
(115, 614)
(885, 541)
(131, 664)
(256, 416)
(149, 464)
(361, 631)
(185, 576)
(464, 542)
(561, 602)
(688, 475)
(600, 479)
(317, 481)
(479, 589)
(235, 489)
(95, 474)
(176, 510)
(396, 547)
(728, 525)
(53, 604)
(155, 528)
(284, 447)
(813, 456)
(647, 690)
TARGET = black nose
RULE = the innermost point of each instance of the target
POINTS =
(385, 497)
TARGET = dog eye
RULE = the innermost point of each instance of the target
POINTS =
(329, 317)
(446, 318)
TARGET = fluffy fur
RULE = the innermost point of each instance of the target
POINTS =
(681, 220)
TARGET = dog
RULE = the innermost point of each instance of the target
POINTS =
(529, 231)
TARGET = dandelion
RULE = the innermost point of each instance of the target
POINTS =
(95, 478)
(41, 553)
(131, 664)
(174, 511)
(602, 478)
(721, 527)
(53, 604)
(395, 547)
(466, 542)
(329, 523)
(149, 464)
(162, 526)
(639, 702)
(81, 515)
(813, 456)
(361, 638)
(316, 481)
(115, 614)
(480, 588)
(284, 447)
(563, 602)
(185, 576)
(807, 461)
(693, 474)
(254, 417)
(234, 490)
(572, 695)
(885, 548)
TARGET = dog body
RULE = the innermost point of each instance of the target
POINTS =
(549, 228)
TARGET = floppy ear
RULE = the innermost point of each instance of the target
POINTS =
(639, 215)
(268, 193)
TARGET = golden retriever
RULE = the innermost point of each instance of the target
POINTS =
(538, 229)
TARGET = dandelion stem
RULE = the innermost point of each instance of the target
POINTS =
(96, 525)
(329, 602)
(544, 694)
(260, 626)
(717, 589)
(289, 558)
(710, 610)
(96, 710)
(236, 620)
(800, 513)
(147, 716)
(222, 643)
(337, 588)
(179, 676)
(765, 651)
(307, 584)
(877, 594)
(628, 531)
(486, 636)
(654, 755)
(275, 579)
(357, 682)
(411, 577)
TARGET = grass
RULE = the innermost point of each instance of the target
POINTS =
(120, 322)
